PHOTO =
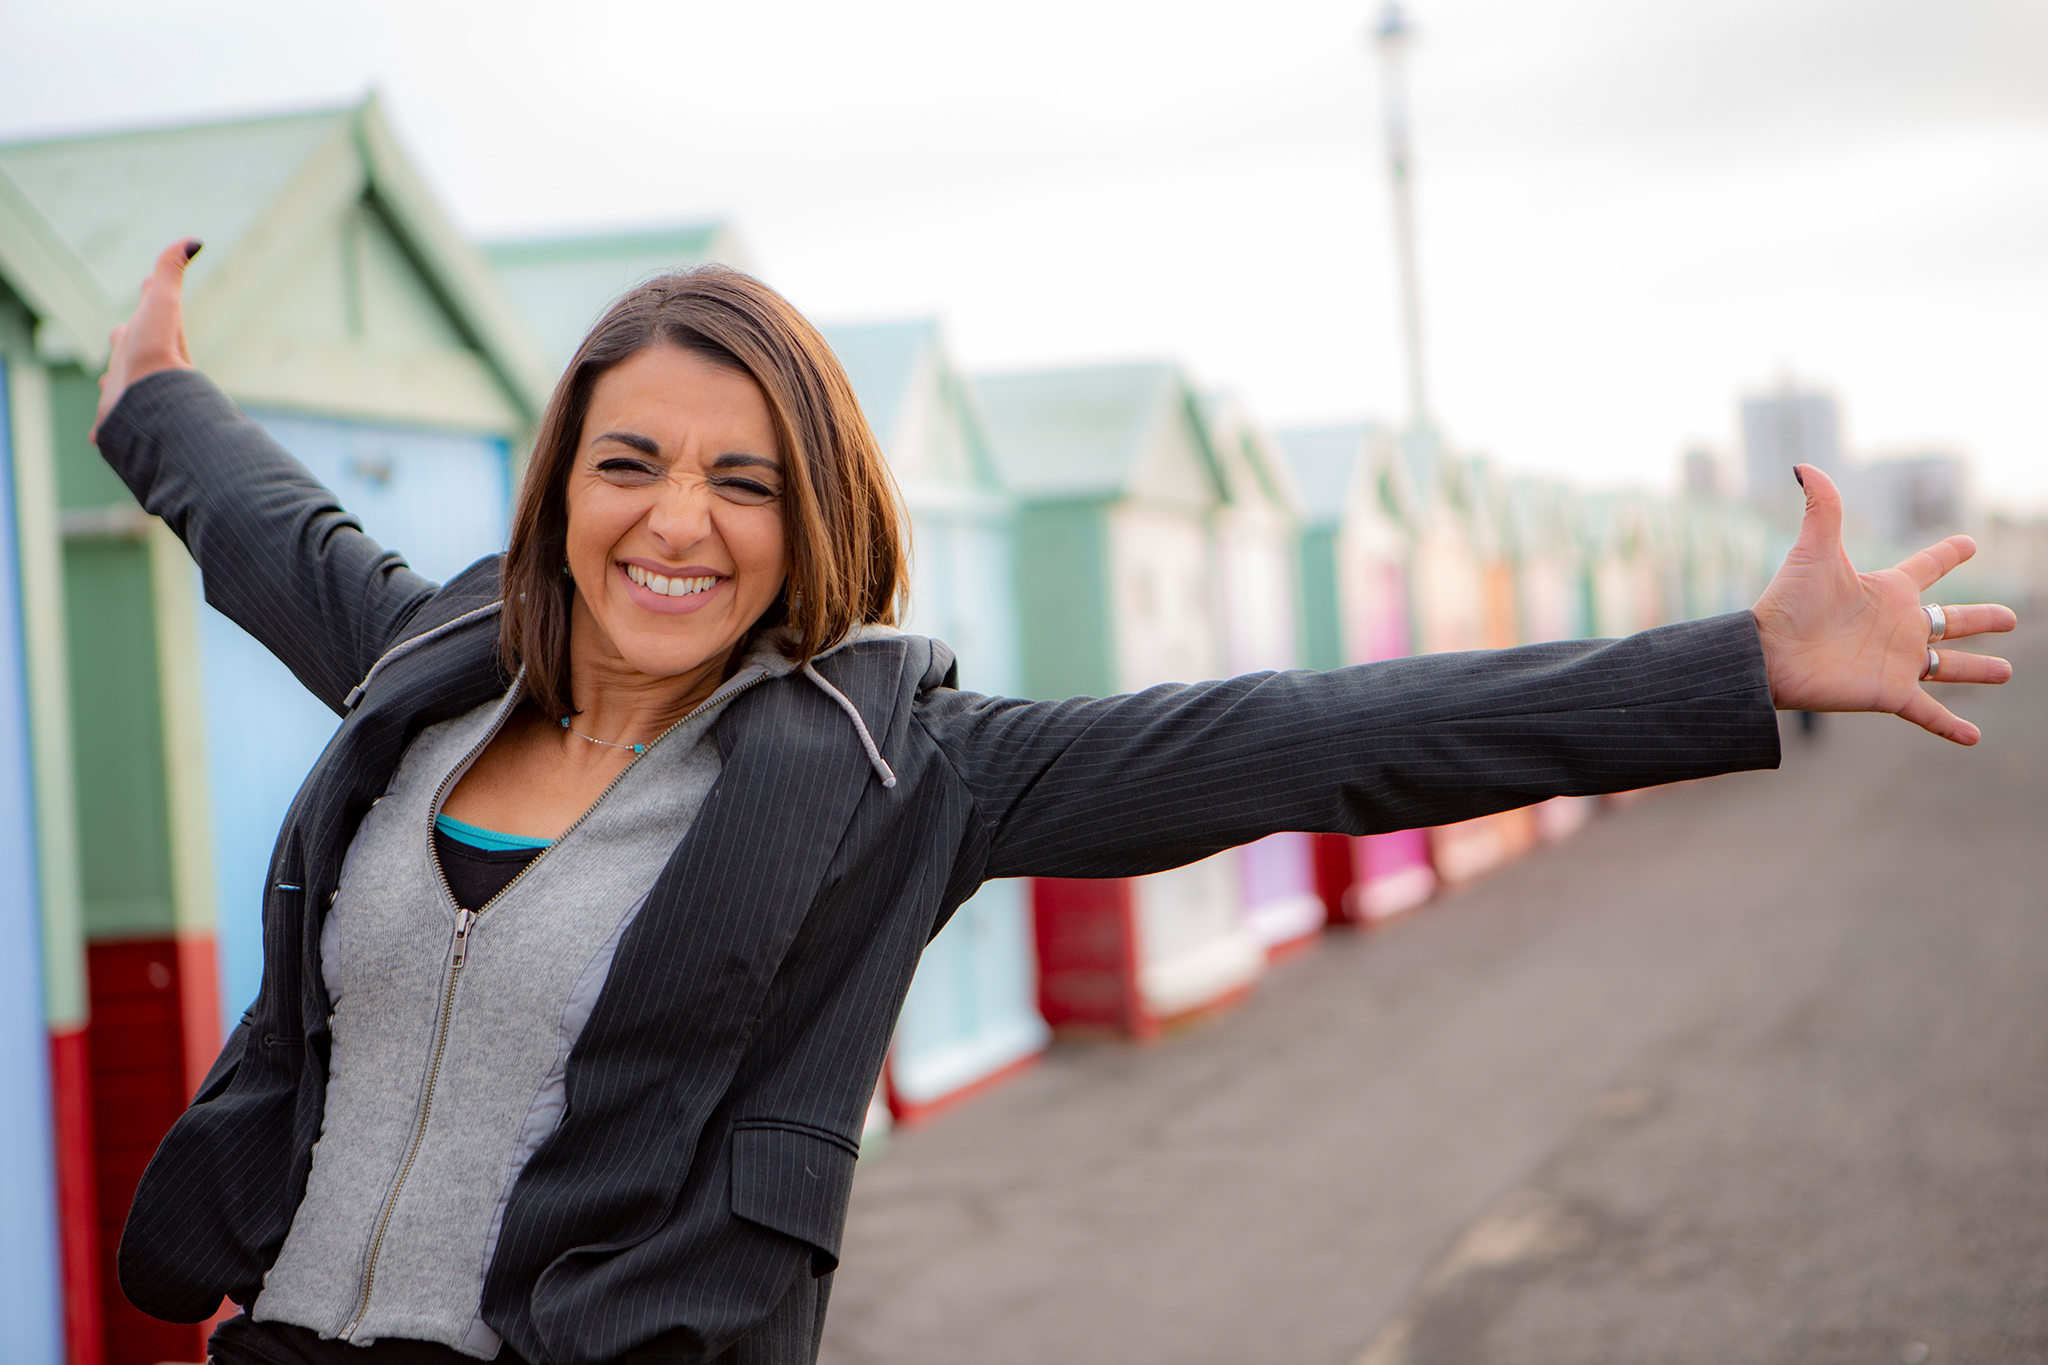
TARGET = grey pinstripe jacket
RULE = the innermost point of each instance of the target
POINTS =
(699, 1179)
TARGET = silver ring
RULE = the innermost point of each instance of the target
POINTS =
(1933, 664)
(1937, 621)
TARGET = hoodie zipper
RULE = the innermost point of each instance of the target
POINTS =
(465, 921)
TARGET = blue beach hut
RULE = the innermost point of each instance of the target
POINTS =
(337, 306)
(972, 1013)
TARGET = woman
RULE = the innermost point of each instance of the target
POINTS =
(586, 936)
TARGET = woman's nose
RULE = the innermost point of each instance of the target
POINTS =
(681, 515)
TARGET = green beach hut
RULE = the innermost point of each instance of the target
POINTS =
(336, 304)
(1120, 489)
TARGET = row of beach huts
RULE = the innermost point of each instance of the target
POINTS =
(1086, 531)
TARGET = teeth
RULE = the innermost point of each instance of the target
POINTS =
(669, 587)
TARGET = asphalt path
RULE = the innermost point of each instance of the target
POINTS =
(1755, 1070)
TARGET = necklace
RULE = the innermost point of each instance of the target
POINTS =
(636, 748)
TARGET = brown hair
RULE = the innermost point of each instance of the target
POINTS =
(846, 552)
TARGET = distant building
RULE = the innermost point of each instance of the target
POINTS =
(1914, 498)
(1702, 469)
(1782, 429)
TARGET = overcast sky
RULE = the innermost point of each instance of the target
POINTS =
(1630, 213)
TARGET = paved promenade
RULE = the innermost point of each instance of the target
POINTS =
(1754, 1071)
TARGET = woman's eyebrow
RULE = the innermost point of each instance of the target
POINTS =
(734, 459)
(633, 439)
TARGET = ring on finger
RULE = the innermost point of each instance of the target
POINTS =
(1937, 622)
(1933, 664)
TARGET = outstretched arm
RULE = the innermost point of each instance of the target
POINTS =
(1838, 640)
(1128, 785)
(1122, 786)
(278, 554)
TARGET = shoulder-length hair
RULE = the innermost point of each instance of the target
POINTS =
(845, 542)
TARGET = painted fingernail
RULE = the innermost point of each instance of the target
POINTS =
(192, 248)
(1799, 476)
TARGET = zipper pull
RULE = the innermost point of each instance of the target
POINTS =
(463, 919)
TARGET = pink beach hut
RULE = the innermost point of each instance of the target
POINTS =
(1256, 529)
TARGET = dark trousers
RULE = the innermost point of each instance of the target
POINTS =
(789, 1336)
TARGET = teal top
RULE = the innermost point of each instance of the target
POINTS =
(488, 840)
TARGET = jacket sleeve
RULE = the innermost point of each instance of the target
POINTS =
(1136, 784)
(277, 553)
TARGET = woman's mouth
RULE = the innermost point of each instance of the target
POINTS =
(671, 594)
(664, 586)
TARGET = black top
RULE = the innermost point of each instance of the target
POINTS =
(477, 874)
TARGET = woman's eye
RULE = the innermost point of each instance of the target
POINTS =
(744, 491)
(627, 471)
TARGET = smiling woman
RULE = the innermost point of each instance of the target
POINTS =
(586, 937)
(706, 383)
(702, 477)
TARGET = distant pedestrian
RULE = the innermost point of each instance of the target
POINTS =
(586, 936)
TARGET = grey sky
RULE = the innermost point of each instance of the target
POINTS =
(1630, 213)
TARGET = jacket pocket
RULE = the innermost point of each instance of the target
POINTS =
(794, 1179)
(222, 1073)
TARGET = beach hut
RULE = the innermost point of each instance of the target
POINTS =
(1257, 560)
(338, 307)
(971, 1017)
(1356, 490)
(1119, 488)
(1550, 580)
(562, 285)
(1464, 599)
(1626, 583)
(50, 315)
(1550, 585)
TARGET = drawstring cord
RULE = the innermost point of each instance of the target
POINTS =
(405, 647)
(867, 741)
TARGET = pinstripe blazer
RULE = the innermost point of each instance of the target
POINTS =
(699, 1178)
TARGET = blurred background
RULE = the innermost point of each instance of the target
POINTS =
(1202, 339)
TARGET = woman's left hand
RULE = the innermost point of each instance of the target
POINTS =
(153, 338)
(1837, 640)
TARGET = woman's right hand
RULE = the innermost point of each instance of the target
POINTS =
(154, 337)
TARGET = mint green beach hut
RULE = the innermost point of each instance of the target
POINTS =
(1120, 488)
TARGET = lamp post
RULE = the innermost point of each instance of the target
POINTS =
(1391, 36)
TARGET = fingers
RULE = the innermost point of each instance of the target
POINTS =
(1982, 619)
(1931, 716)
(169, 272)
(1821, 529)
(1958, 667)
(1927, 568)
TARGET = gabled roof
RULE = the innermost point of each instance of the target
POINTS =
(261, 192)
(1255, 472)
(39, 266)
(118, 198)
(562, 285)
(918, 405)
(881, 359)
(1088, 433)
(1324, 461)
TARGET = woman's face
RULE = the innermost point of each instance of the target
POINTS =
(675, 515)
